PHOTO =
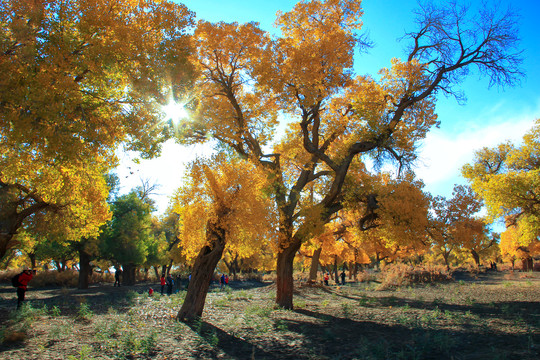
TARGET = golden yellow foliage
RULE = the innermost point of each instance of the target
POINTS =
(514, 247)
(220, 183)
(305, 73)
(508, 180)
(80, 78)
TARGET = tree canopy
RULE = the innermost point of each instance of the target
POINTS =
(248, 78)
(507, 178)
(79, 79)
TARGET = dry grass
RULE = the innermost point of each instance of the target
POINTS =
(402, 275)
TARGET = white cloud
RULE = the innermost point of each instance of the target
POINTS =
(443, 154)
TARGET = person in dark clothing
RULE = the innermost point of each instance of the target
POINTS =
(170, 284)
(24, 279)
(177, 282)
(342, 277)
(117, 275)
(221, 281)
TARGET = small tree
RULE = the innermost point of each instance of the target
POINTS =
(128, 235)
(452, 224)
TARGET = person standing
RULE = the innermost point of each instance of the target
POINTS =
(23, 279)
(326, 277)
(226, 280)
(117, 275)
(221, 281)
(177, 283)
(162, 282)
(170, 283)
(342, 277)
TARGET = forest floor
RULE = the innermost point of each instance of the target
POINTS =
(488, 316)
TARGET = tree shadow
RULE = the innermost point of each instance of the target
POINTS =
(99, 298)
(234, 346)
(526, 311)
(345, 338)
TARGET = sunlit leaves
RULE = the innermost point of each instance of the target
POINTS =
(230, 191)
(507, 177)
(315, 54)
(79, 78)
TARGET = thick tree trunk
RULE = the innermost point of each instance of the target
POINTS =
(164, 271)
(314, 265)
(128, 275)
(32, 258)
(202, 272)
(446, 257)
(476, 258)
(527, 264)
(284, 280)
(6, 242)
(85, 269)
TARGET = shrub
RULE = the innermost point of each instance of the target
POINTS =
(68, 278)
(364, 276)
(401, 275)
(6, 275)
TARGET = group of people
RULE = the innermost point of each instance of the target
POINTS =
(327, 277)
(223, 281)
(168, 282)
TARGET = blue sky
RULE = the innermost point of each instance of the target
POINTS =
(489, 116)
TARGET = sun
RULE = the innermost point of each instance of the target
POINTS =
(174, 111)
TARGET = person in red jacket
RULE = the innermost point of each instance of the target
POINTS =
(162, 282)
(24, 279)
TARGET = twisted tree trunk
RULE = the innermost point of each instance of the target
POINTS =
(284, 280)
(202, 272)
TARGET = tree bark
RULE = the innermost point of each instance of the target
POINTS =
(128, 275)
(446, 255)
(527, 264)
(336, 279)
(58, 266)
(164, 270)
(284, 280)
(314, 265)
(202, 272)
(85, 269)
(32, 258)
(476, 258)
